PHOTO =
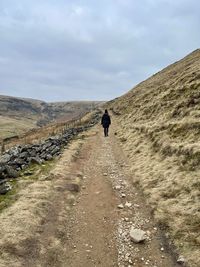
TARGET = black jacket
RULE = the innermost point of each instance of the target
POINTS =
(105, 120)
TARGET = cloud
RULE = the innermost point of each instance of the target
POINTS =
(56, 50)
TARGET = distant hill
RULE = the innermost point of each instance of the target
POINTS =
(18, 115)
(159, 127)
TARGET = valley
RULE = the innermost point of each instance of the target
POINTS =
(82, 199)
(19, 115)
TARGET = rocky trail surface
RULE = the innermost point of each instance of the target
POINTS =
(84, 212)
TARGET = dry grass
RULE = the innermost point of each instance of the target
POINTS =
(38, 134)
(22, 222)
(18, 115)
(160, 131)
(14, 126)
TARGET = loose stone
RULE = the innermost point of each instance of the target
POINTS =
(137, 235)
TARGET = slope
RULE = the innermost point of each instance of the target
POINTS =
(159, 127)
(18, 115)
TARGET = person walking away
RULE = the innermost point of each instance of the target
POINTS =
(105, 122)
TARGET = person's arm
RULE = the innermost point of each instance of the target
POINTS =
(109, 120)
(101, 120)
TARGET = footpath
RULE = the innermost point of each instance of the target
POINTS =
(83, 213)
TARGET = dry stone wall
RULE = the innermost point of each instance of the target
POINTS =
(20, 157)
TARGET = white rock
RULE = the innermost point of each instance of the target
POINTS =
(148, 233)
(137, 235)
(128, 204)
(181, 259)
(117, 187)
(120, 206)
(123, 195)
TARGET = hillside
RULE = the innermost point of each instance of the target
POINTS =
(18, 115)
(159, 128)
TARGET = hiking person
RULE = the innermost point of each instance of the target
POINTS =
(105, 122)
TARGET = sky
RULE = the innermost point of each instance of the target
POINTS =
(57, 50)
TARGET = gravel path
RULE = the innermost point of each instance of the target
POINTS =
(81, 214)
(106, 209)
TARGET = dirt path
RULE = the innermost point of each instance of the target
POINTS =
(88, 228)
(100, 230)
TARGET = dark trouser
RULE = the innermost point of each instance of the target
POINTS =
(106, 131)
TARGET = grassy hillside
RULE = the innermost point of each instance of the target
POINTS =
(159, 127)
(18, 115)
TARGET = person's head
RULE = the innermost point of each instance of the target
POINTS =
(106, 111)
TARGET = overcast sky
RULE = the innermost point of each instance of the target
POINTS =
(58, 50)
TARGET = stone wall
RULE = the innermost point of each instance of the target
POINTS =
(20, 157)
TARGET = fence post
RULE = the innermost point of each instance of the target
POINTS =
(2, 147)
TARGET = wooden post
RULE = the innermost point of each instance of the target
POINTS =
(2, 147)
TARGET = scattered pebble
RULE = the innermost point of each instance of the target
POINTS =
(137, 235)
(117, 187)
(128, 204)
(180, 259)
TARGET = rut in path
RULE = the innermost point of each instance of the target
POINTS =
(87, 228)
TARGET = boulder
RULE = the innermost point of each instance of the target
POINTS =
(5, 158)
(15, 151)
(43, 155)
(137, 235)
(46, 145)
(48, 157)
(26, 147)
(2, 171)
(55, 150)
(23, 155)
(19, 161)
(3, 181)
(51, 148)
(4, 188)
(35, 160)
(33, 153)
(11, 172)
